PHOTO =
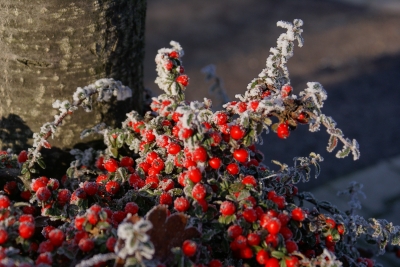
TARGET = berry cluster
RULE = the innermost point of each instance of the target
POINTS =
(223, 206)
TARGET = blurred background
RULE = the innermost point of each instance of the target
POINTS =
(352, 48)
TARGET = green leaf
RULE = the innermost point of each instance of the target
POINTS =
(169, 167)
(344, 152)
(176, 192)
(41, 163)
(332, 143)
(114, 151)
(277, 254)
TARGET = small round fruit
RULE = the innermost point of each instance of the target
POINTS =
(43, 194)
(298, 214)
(199, 192)
(227, 208)
(181, 204)
(90, 188)
(131, 207)
(189, 248)
(195, 175)
(56, 237)
(237, 132)
(272, 262)
(250, 215)
(111, 165)
(3, 236)
(283, 130)
(292, 261)
(26, 230)
(183, 80)
(273, 226)
(215, 163)
(165, 199)
(241, 155)
(110, 243)
(112, 187)
(4, 202)
(86, 244)
(233, 168)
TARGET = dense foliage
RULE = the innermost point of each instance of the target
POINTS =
(184, 185)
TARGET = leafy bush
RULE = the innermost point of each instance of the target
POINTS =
(184, 185)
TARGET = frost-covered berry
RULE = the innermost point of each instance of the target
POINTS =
(183, 79)
(3, 236)
(43, 194)
(189, 248)
(227, 208)
(165, 199)
(4, 202)
(26, 230)
(90, 188)
(63, 196)
(86, 244)
(283, 130)
(111, 165)
(199, 192)
(112, 187)
(181, 204)
(131, 207)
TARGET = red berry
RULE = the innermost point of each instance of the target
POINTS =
(186, 133)
(44, 258)
(291, 246)
(302, 118)
(173, 54)
(151, 156)
(158, 164)
(233, 168)
(111, 165)
(165, 199)
(241, 155)
(38, 183)
(86, 244)
(181, 204)
(279, 201)
(273, 240)
(240, 242)
(273, 226)
(174, 148)
(26, 230)
(23, 156)
(298, 214)
(331, 223)
(340, 228)
(131, 207)
(234, 231)
(253, 239)
(126, 162)
(220, 118)
(250, 215)
(286, 232)
(253, 105)
(167, 184)
(194, 175)
(216, 138)
(26, 195)
(283, 130)
(246, 253)
(26, 218)
(92, 217)
(112, 187)
(183, 79)
(262, 256)
(272, 262)
(3, 236)
(249, 180)
(153, 180)
(286, 90)
(284, 218)
(215, 263)
(90, 188)
(43, 194)
(215, 163)
(102, 179)
(56, 237)
(110, 243)
(241, 107)
(199, 192)
(99, 163)
(135, 181)
(292, 261)
(79, 222)
(237, 132)
(200, 154)
(227, 208)
(189, 248)
(63, 196)
(4, 202)
(118, 216)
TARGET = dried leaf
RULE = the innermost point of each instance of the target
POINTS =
(168, 232)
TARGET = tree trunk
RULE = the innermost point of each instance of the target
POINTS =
(48, 48)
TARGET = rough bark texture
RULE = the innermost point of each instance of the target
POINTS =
(48, 48)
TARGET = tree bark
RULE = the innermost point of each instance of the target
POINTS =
(48, 48)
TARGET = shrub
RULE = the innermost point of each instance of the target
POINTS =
(186, 186)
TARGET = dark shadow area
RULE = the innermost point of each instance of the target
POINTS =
(14, 133)
(364, 107)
